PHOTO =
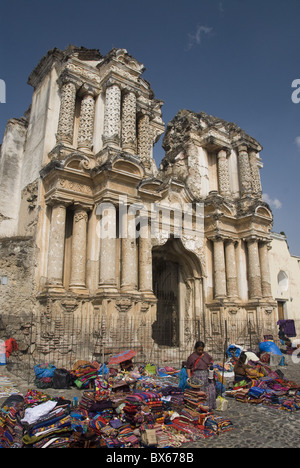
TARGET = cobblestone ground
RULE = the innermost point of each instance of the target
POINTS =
(254, 426)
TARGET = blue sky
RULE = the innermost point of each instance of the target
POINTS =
(235, 59)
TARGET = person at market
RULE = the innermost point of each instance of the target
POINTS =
(241, 368)
(197, 366)
(283, 338)
(126, 366)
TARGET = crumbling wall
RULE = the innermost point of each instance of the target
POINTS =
(17, 296)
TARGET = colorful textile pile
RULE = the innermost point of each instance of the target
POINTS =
(195, 399)
(11, 429)
(114, 414)
(47, 421)
(84, 373)
(218, 424)
(271, 390)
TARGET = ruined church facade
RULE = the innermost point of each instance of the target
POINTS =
(91, 228)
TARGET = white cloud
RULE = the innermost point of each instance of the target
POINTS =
(274, 203)
(196, 39)
(297, 141)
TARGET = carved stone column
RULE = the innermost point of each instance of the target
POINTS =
(231, 271)
(79, 245)
(107, 261)
(256, 182)
(254, 276)
(144, 141)
(86, 122)
(244, 170)
(129, 267)
(56, 246)
(219, 269)
(223, 173)
(129, 122)
(112, 115)
(65, 129)
(263, 249)
(145, 259)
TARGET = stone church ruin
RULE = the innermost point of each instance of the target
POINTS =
(78, 170)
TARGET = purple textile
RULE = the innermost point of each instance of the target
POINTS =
(288, 327)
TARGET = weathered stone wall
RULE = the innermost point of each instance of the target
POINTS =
(17, 260)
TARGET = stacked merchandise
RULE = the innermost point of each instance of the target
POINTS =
(127, 437)
(218, 424)
(47, 425)
(158, 413)
(271, 390)
(97, 403)
(195, 400)
(189, 416)
(84, 373)
(11, 430)
(143, 407)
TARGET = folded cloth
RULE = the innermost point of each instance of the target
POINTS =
(32, 415)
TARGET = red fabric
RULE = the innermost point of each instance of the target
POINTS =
(10, 346)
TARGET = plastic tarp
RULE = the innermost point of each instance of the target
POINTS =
(270, 347)
(234, 349)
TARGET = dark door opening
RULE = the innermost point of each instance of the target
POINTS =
(165, 286)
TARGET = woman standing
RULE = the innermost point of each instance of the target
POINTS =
(198, 365)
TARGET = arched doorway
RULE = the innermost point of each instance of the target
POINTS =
(178, 288)
(166, 289)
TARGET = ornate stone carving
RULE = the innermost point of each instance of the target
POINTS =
(129, 122)
(67, 111)
(144, 141)
(244, 170)
(83, 72)
(256, 182)
(80, 215)
(112, 115)
(123, 304)
(223, 173)
(86, 123)
(74, 186)
(69, 305)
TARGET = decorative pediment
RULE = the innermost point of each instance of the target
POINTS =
(127, 167)
(77, 162)
(264, 211)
